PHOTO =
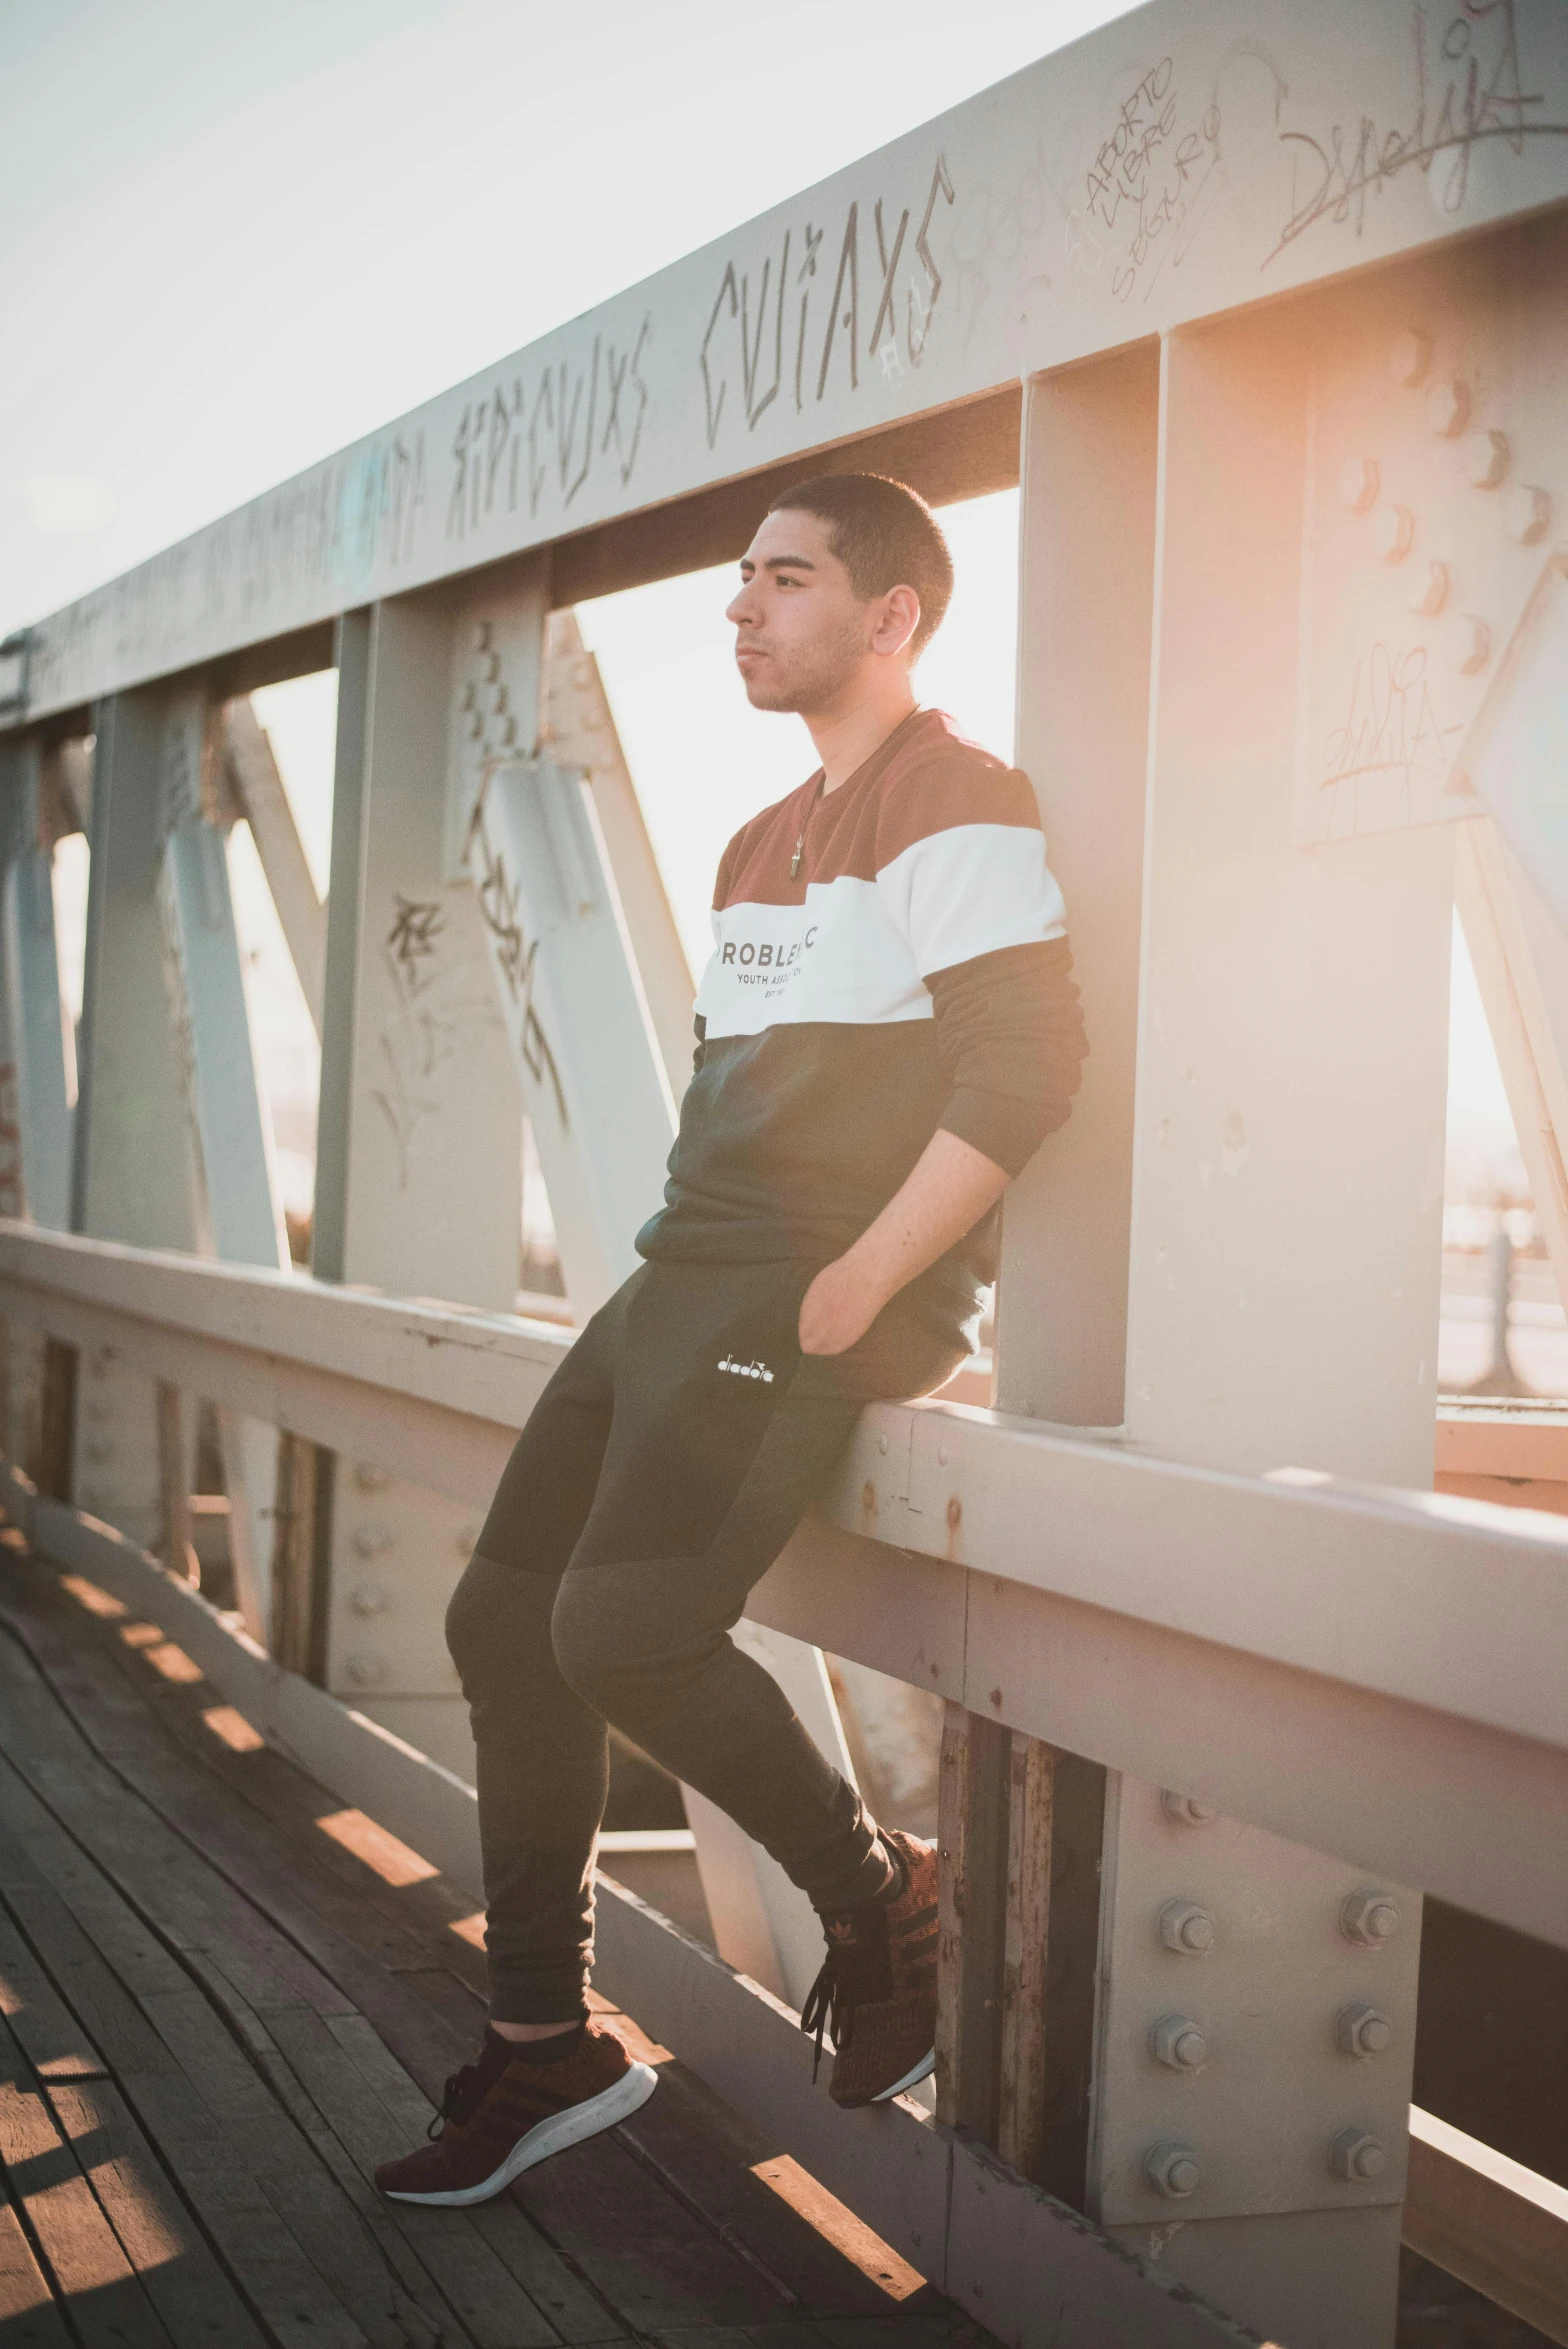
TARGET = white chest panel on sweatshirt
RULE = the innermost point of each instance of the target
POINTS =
(860, 952)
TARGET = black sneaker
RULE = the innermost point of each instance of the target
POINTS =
(876, 1993)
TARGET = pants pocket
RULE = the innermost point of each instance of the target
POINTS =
(902, 1356)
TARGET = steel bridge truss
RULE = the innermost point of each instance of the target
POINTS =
(1266, 312)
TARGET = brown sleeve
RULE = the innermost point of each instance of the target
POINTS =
(1011, 1038)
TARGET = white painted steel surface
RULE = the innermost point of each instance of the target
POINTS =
(1188, 158)
(35, 1046)
(431, 1159)
(587, 1059)
(1288, 1160)
(253, 778)
(579, 731)
(236, 1207)
(419, 1159)
(239, 1214)
(1371, 1673)
(1265, 1989)
(1085, 628)
(1432, 638)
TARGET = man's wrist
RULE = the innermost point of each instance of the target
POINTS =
(869, 1268)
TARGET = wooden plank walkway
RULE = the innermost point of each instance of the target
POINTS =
(224, 1999)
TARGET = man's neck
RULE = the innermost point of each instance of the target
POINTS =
(846, 738)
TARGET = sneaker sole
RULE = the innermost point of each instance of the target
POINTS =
(604, 2111)
(912, 2079)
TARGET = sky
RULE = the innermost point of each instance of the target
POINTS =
(237, 238)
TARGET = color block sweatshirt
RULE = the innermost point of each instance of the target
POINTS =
(912, 972)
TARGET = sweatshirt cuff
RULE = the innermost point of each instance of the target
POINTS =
(1000, 1127)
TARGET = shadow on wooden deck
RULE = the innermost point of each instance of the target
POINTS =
(224, 1999)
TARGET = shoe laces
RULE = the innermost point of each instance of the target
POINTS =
(466, 2089)
(825, 2010)
(854, 1973)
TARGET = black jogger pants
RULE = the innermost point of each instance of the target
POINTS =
(661, 1472)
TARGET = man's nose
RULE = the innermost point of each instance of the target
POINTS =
(741, 611)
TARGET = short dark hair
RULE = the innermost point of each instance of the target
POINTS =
(884, 534)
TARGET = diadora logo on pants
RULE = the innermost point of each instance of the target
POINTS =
(747, 1369)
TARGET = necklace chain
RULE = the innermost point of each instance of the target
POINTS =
(816, 800)
(800, 845)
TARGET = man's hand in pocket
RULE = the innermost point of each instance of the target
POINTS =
(839, 1307)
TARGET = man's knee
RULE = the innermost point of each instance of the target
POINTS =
(607, 1651)
(492, 1618)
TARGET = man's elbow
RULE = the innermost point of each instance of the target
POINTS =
(1053, 1105)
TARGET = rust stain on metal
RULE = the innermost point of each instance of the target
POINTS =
(955, 1520)
(996, 1698)
(868, 1498)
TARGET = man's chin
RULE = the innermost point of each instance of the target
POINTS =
(769, 693)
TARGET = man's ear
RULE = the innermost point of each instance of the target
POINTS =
(896, 625)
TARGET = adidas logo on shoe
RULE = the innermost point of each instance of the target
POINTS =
(747, 1369)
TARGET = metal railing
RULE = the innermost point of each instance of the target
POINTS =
(1254, 1641)
(1373, 1673)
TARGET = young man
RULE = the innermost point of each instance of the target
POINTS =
(886, 1031)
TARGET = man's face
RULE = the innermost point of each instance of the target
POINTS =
(801, 633)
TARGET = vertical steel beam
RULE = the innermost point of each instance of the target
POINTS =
(430, 1158)
(35, 1168)
(236, 1196)
(34, 1017)
(1282, 1309)
(1086, 570)
(419, 1151)
(132, 1170)
(171, 1141)
(239, 1217)
(32, 981)
(1086, 556)
(1288, 1172)
(1142, 1220)
(133, 1173)
(340, 981)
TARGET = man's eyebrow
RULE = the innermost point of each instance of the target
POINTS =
(788, 563)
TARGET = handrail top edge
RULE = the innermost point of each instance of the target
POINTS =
(430, 1321)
